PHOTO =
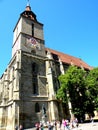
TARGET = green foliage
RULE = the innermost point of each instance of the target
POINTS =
(73, 88)
(81, 88)
(92, 87)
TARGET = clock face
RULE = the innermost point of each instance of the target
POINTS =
(32, 43)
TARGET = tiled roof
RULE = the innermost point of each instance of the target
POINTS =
(68, 59)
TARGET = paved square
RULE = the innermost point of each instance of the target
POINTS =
(87, 126)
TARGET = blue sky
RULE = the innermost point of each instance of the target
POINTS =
(70, 26)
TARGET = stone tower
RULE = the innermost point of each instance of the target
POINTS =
(27, 84)
(31, 84)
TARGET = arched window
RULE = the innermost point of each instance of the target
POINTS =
(37, 108)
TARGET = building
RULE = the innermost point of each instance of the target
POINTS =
(30, 80)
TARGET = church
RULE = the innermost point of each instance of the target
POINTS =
(30, 81)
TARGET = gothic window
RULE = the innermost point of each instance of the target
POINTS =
(34, 78)
(58, 82)
(34, 68)
(55, 84)
(55, 57)
(37, 108)
(35, 91)
(32, 30)
(65, 66)
(13, 72)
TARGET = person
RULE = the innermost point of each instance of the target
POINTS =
(41, 126)
(37, 125)
(58, 125)
(67, 124)
(92, 120)
(64, 124)
(76, 121)
(16, 127)
(20, 127)
(49, 126)
(55, 125)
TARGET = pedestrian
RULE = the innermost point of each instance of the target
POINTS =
(64, 123)
(37, 125)
(67, 124)
(41, 126)
(55, 125)
(76, 121)
(20, 127)
(49, 126)
(92, 120)
(58, 125)
(16, 127)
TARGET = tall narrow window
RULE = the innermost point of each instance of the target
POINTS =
(35, 91)
(37, 108)
(34, 66)
(34, 78)
(33, 30)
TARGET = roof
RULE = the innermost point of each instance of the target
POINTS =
(68, 59)
(29, 14)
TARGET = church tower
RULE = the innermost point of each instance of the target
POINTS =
(27, 85)
(31, 85)
(24, 82)
(35, 82)
(28, 34)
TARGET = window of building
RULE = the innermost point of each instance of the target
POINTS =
(35, 91)
(33, 30)
(55, 85)
(37, 108)
(55, 57)
(34, 68)
(34, 78)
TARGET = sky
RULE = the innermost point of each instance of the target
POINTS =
(70, 26)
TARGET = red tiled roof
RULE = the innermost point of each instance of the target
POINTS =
(65, 58)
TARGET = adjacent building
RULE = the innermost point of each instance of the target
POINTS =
(30, 80)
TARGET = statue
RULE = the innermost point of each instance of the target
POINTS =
(43, 110)
(43, 114)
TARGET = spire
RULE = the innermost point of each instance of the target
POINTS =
(28, 8)
(28, 3)
(28, 12)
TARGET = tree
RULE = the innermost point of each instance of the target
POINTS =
(92, 89)
(72, 83)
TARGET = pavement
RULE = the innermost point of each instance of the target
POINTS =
(87, 126)
(83, 126)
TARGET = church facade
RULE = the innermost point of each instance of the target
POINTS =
(31, 77)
